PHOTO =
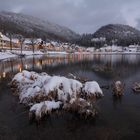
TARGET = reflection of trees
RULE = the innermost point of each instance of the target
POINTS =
(123, 70)
(109, 67)
(33, 63)
(117, 101)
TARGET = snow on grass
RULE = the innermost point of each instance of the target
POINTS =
(64, 86)
(47, 92)
(80, 106)
(44, 108)
(92, 88)
(118, 88)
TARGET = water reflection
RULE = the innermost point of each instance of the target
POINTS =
(118, 117)
(104, 65)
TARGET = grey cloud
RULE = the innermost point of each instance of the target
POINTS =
(80, 15)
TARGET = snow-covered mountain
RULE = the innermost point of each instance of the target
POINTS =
(28, 25)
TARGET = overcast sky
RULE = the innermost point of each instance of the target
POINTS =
(82, 16)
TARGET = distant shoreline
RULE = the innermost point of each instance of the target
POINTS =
(107, 53)
(8, 54)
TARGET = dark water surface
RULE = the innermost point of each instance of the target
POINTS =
(119, 119)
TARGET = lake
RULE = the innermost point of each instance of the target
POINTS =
(118, 119)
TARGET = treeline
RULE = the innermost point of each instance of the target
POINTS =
(86, 40)
(10, 28)
(122, 35)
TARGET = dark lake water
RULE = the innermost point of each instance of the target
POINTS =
(118, 119)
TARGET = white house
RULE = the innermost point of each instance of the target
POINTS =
(90, 49)
(4, 41)
(131, 48)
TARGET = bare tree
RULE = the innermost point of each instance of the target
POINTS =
(11, 36)
(33, 42)
(21, 41)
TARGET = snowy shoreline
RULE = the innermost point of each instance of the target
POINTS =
(106, 53)
(8, 54)
(14, 54)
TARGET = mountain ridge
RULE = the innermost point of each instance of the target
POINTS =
(29, 25)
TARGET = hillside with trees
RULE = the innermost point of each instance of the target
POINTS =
(118, 34)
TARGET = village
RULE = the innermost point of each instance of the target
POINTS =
(36, 44)
(30, 46)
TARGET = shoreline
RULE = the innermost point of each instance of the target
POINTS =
(107, 53)
(8, 54)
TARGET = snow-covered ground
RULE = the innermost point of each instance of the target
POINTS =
(28, 52)
(5, 55)
(45, 93)
(8, 54)
(56, 52)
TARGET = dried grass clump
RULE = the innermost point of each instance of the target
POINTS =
(46, 94)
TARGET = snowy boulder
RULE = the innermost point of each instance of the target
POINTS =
(92, 89)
